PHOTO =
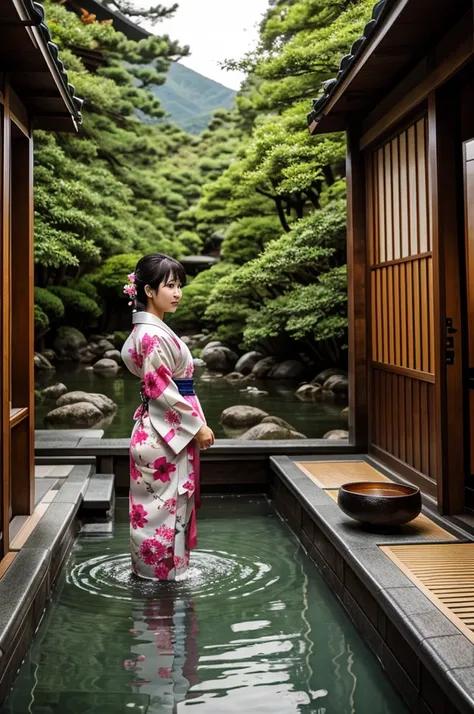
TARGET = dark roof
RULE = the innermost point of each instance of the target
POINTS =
(346, 63)
(102, 11)
(397, 37)
(36, 71)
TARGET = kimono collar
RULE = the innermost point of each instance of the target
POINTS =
(146, 318)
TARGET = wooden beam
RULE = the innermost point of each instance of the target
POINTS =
(357, 292)
(444, 169)
(437, 67)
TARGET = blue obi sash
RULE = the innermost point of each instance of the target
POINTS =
(185, 387)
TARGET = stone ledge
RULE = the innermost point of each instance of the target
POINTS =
(17, 592)
(223, 447)
(99, 494)
(413, 638)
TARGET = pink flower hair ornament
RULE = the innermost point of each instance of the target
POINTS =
(131, 289)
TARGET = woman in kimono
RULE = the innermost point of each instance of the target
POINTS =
(170, 427)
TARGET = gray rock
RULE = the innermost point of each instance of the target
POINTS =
(85, 355)
(263, 367)
(270, 431)
(105, 346)
(68, 342)
(247, 362)
(290, 369)
(241, 416)
(198, 362)
(203, 340)
(308, 392)
(113, 354)
(82, 415)
(41, 362)
(336, 434)
(276, 420)
(54, 391)
(336, 384)
(50, 355)
(210, 345)
(101, 401)
(325, 374)
(106, 365)
(219, 358)
(234, 377)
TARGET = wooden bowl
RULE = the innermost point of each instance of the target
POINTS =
(380, 504)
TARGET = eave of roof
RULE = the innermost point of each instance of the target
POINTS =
(36, 73)
(36, 12)
(120, 21)
(398, 35)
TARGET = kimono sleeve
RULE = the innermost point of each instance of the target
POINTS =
(175, 420)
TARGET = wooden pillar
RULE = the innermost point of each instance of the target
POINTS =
(357, 292)
(22, 310)
(5, 323)
(444, 186)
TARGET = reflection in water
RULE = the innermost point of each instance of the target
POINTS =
(164, 657)
(251, 628)
(313, 419)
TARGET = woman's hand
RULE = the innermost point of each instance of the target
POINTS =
(205, 437)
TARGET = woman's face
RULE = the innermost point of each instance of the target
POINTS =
(167, 297)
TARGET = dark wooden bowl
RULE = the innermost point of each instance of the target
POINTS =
(380, 504)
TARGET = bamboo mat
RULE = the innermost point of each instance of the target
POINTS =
(445, 574)
(333, 474)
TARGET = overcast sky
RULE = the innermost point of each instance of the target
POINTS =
(215, 30)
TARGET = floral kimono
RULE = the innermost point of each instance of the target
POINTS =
(164, 458)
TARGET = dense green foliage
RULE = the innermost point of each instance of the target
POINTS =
(280, 205)
(254, 183)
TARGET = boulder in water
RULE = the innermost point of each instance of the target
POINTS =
(42, 363)
(270, 431)
(336, 384)
(100, 401)
(82, 415)
(308, 392)
(54, 391)
(263, 367)
(290, 369)
(336, 435)
(219, 358)
(68, 342)
(115, 355)
(233, 377)
(106, 366)
(247, 362)
(325, 374)
(241, 416)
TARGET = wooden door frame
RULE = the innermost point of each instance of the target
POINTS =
(443, 115)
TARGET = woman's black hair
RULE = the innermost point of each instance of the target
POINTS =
(153, 270)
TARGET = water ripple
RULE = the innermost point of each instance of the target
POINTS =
(210, 574)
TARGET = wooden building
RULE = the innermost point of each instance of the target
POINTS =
(405, 97)
(34, 93)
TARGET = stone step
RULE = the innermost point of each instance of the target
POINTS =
(99, 494)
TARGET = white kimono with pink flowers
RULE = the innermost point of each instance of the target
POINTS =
(164, 458)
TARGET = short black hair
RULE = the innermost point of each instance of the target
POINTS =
(153, 270)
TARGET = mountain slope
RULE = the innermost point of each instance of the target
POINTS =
(190, 98)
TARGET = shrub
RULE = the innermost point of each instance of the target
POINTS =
(79, 309)
(112, 275)
(41, 319)
(49, 304)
